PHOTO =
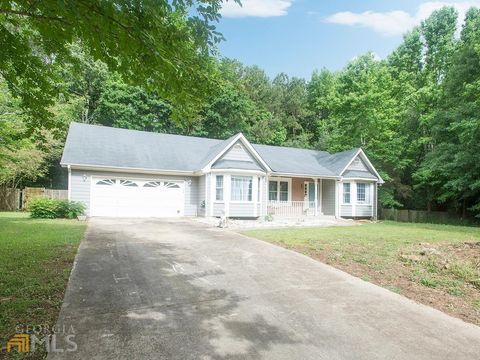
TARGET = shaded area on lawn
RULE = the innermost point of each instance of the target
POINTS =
(438, 265)
(36, 259)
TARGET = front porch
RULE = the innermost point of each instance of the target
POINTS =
(299, 196)
(296, 197)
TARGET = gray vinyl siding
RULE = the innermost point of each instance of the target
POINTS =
(328, 197)
(358, 164)
(363, 210)
(80, 189)
(242, 210)
(346, 210)
(218, 209)
(238, 152)
(191, 197)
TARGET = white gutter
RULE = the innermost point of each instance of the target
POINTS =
(305, 175)
(129, 169)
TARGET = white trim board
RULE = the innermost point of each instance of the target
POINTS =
(364, 157)
(246, 143)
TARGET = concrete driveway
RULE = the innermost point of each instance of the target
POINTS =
(175, 289)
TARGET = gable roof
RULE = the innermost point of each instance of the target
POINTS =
(101, 146)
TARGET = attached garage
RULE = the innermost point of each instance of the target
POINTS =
(131, 197)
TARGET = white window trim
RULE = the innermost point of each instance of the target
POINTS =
(223, 189)
(342, 192)
(278, 179)
(370, 193)
(242, 201)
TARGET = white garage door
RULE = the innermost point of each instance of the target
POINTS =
(136, 198)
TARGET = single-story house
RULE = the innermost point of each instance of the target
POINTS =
(128, 173)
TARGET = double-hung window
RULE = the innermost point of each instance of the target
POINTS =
(219, 188)
(278, 190)
(241, 188)
(283, 191)
(273, 190)
(362, 193)
(346, 193)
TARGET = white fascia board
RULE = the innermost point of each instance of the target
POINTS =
(254, 152)
(358, 178)
(350, 162)
(237, 171)
(275, 174)
(365, 158)
(247, 144)
(225, 149)
(129, 169)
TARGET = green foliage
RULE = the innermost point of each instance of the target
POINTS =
(69, 209)
(131, 107)
(45, 208)
(21, 156)
(161, 45)
(415, 113)
(38, 255)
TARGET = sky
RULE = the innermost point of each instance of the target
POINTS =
(298, 36)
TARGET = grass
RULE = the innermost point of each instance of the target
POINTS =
(435, 264)
(36, 259)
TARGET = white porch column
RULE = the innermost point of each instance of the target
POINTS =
(265, 195)
(353, 197)
(255, 192)
(316, 197)
(227, 186)
(321, 197)
(211, 194)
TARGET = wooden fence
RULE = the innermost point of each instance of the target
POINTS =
(10, 199)
(418, 216)
(16, 199)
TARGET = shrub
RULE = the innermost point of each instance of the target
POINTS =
(50, 209)
(70, 209)
(43, 208)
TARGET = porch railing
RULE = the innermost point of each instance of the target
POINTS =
(291, 208)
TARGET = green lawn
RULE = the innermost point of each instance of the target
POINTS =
(36, 257)
(435, 264)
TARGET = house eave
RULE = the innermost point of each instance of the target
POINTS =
(93, 167)
(358, 178)
(301, 175)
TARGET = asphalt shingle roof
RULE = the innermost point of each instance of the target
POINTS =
(113, 147)
(107, 146)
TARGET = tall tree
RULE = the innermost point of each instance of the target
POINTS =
(131, 107)
(453, 165)
(162, 45)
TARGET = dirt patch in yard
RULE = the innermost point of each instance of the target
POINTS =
(444, 276)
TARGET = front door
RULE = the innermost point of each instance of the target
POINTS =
(309, 195)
